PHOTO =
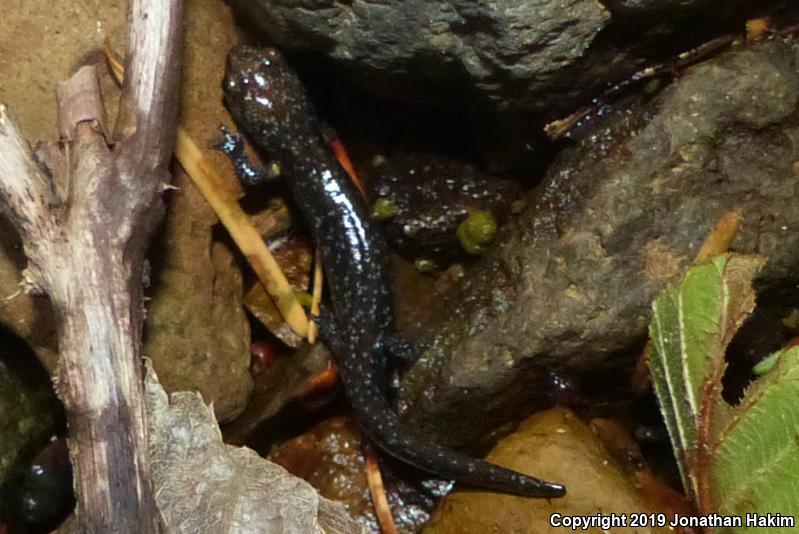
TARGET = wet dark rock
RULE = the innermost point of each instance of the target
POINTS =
(29, 414)
(424, 199)
(648, 6)
(285, 380)
(43, 498)
(541, 56)
(330, 458)
(568, 285)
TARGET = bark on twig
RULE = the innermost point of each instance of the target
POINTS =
(85, 225)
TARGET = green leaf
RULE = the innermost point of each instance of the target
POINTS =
(755, 463)
(733, 460)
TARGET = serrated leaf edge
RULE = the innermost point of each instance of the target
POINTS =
(694, 459)
(674, 419)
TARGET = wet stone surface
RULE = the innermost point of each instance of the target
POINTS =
(330, 457)
(569, 283)
(29, 414)
(539, 56)
(423, 199)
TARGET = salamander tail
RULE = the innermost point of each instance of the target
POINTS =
(385, 428)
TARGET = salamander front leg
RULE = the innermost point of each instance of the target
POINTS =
(232, 144)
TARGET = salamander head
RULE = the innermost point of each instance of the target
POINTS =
(266, 98)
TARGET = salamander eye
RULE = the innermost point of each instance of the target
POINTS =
(237, 82)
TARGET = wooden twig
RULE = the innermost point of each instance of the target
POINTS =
(720, 237)
(22, 179)
(320, 381)
(316, 295)
(378, 491)
(245, 235)
(717, 242)
(344, 160)
(560, 127)
(85, 232)
(235, 221)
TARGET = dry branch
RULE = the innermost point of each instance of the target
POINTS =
(235, 221)
(85, 225)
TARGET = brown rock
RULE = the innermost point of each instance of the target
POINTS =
(568, 286)
(197, 334)
(554, 445)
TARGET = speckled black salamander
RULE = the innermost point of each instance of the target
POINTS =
(270, 105)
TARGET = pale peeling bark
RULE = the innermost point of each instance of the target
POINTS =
(85, 224)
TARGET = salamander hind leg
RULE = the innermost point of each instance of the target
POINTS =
(232, 145)
(383, 426)
(401, 351)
